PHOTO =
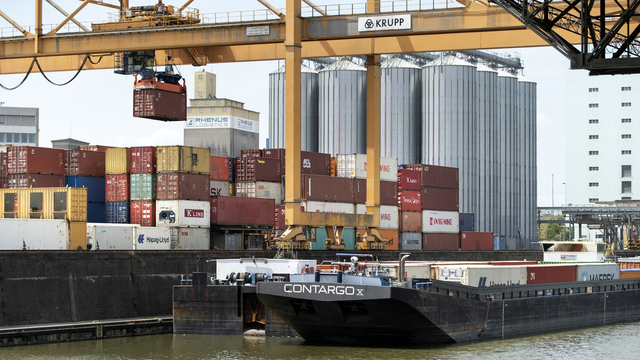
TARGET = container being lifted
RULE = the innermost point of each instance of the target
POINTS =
(160, 96)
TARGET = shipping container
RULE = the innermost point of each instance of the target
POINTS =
(388, 216)
(327, 188)
(4, 171)
(220, 188)
(498, 242)
(470, 240)
(117, 161)
(97, 212)
(348, 239)
(439, 199)
(96, 187)
(482, 275)
(111, 236)
(597, 272)
(219, 168)
(391, 236)
(190, 238)
(183, 213)
(45, 203)
(28, 181)
(258, 169)
(410, 241)
(440, 241)
(260, 189)
(310, 162)
(143, 213)
(467, 222)
(281, 223)
(117, 187)
(35, 160)
(630, 274)
(409, 179)
(440, 222)
(410, 200)
(4, 183)
(437, 176)
(49, 234)
(100, 148)
(355, 166)
(183, 186)
(183, 159)
(230, 210)
(544, 274)
(117, 212)
(143, 187)
(250, 153)
(328, 207)
(159, 104)
(152, 238)
(388, 192)
(410, 221)
(143, 160)
(84, 163)
(234, 241)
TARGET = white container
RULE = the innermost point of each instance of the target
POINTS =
(597, 272)
(411, 241)
(220, 188)
(262, 266)
(152, 238)
(183, 213)
(482, 275)
(189, 238)
(440, 222)
(111, 236)
(260, 189)
(355, 166)
(36, 234)
(328, 207)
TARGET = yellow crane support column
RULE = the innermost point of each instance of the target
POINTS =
(38, 29)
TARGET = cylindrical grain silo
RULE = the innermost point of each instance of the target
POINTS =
(308, 109)
(487, 83)
(527, 92)
(449, 126)
(400, 115)
(342, 108)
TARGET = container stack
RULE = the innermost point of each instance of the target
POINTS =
(118, 171)
(220, 182)
(143, 186)
(4, 181)
(86, 169)
(29, 167)
(410, 207)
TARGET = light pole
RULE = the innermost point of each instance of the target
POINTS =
(552, 205)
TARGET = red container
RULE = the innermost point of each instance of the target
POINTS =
(543, 274)
(436, 241)
(388, 192)
(159, 105)
(475, 240)
(280, 218)
(4, 183)
(100, 148)
(220, 169)
(409, 179)
(35, 160)
(437, 176)
(179, 186)
(410, 221)
(409, 200)
(327, 188)
(117, 187)
(275, 154)
(143, 213)
(310, 162)
(251, 153)
(143, 160)
(3, 164)
(258, 169)
(439, 199)
(27, 181)
(231, 210)
(84, 163)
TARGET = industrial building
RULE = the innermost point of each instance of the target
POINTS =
(19, 126)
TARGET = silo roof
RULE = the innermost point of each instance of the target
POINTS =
(449, 60)
(343, 64)
(523, 78)
(504, 73)
(483, 67)
(305, 69)
(397, 62)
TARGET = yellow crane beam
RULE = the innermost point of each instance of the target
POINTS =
(15, 24)
(61, 10)
(69, 17)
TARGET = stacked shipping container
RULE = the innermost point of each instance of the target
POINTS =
(29, 167)
(118, 172)
(143, 186)
(86, 169)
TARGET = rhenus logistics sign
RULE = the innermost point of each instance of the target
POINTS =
(380, 23)
(222, 122)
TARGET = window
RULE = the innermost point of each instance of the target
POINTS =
(593, 153)
(218, 102)
(206, 102)
(626, 121)
(626, 171)
(593, 137)
(199, 76)
(195, 102)
(593, 168)
(199, 93)
(599, 236)
(189, 110)
(16, 138)
(213, 109)
(594, 184)
(224, 109)
(593, 89)
(593, 105)
(626, 104)
(626, 136)
(626, 88)
(8, 137)
(592, 200)
(201, 109)
(32, 138)
(24, 138)
(1, 137)
(626, 152)
(626, 187)
(593, 121)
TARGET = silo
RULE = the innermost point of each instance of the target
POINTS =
(342, 108)
(400, 110)
(449, 122)
(308, 109)
(487, 83)
(527, 92)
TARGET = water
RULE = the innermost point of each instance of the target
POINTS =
(612, 342)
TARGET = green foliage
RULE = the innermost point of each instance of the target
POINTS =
(558, 231)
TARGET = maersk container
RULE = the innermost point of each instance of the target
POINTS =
(410, 221)
(84, 163)
(260, 189)
(143, 160)
(27, 181)
(183, 186)
(96, 187)
(152, 238)
(41, 234)
(597, 272)
(440, 241)
(143, 212)
(440, 199)
(183, 159)
(45, 203)
(159, 104)
(355, 166)
(183, 213)
(327, 188)
(544, 274)
(111, 236)
(219, 188)
(409, 179)
(118, 161)
(35, 160)
(388, 192)
(482, 275)
(475, 240)
(97, 212)
(117, 187)
(117, 212)
(440, 222)
(231, 210)
(410, 241)
(409, 200)
(219, 168)
(467, 222)
(328, 207)
(348, 239)
(143, 186)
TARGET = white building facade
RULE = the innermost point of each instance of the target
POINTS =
(19, 126)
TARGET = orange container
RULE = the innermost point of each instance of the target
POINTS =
(630, 274)
(390, 235)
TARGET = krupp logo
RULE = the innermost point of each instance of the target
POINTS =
(323, 289)
(369, 24)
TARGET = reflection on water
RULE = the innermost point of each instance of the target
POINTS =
(613, 342)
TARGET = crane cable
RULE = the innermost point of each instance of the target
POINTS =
(35, 61)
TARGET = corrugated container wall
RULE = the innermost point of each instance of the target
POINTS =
(143, 186)
(96, 190)
(118, 212)
(27, 181)
(183, 159)
(400, 91)
(84, 163)
(308, 109)
(183, 213)
(159, 105)
(43, 234)
(35, 160)
(118, 161)
(178, 186)
(342, 108)
(527, 92)
(143, 160)
(143, 213)
(230, 210)
(45, 203)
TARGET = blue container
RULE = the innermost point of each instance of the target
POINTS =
(96, 191)
(498, 242)
(118, 212)
(466, 222)
(97, 212)
(348, 237)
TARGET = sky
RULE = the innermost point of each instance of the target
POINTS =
(97, 106)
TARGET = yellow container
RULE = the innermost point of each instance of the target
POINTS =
(183, 159)
(78, 235)
(44, 203)
(117, 161)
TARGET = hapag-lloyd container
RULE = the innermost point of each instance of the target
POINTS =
(440, 222)
(159, 105)
(111, 236)
(544, 274)
(388, 216)
(219, 188)
(183, 186)
(117, 187)
(27, 181)
(35, 160)
(183, 159)
(597, 272)
(472, 240)
(410, 241)
(439, 241)
(409, 179)
(327, 188)
(219, 168)
(152, 238)
(143, 186)
(439, 199)
(84, 163)
(39, 234)
(355, 166)
(183, 213)
(388, 192)
(391, 236)
(258, 169)
(230, 210)
(260, 189)
(143, 160)
(437, 176)
(96, 190)
(117, 161)
(482, 275)
(143, 213)
(410, 221)
(409, 200)
(328, 207)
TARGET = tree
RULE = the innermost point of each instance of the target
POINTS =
(558, 231)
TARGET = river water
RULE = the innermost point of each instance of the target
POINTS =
(608, 342)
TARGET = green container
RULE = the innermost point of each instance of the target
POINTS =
(348, 237)
(143, 186)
